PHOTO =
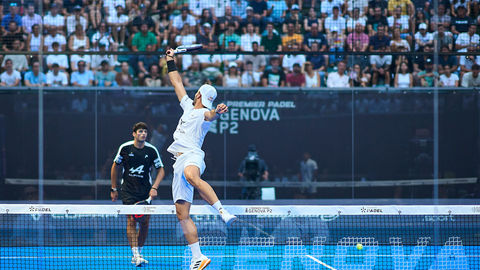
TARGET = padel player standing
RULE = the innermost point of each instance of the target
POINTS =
(189, 164)
(136, 159)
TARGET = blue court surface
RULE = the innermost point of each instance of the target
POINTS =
(247, 257)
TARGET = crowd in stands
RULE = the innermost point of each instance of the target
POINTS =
(235, 26)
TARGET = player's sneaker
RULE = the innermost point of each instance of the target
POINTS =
(139, 261)
(227, 217)
(200, 263)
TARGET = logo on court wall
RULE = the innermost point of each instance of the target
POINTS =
(149, 209)
(476, 209)
(39, 209)
(370, 210)
(258, 210)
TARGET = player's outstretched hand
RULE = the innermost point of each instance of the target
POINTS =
(169, 54)
(221, 108)
(114, 195)
(153, 193)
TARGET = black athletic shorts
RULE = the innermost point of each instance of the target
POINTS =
(129, 198)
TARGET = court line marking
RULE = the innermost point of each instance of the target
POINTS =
(320, 262)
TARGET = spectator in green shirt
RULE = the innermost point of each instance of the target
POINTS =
(428, 77)
(105, 76)
(230, 35)
(271, 42)
(143, 38)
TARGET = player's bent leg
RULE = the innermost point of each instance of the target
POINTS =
(188, 227)
(192, 174)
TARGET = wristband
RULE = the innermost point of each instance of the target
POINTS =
(113, 190)
(155, 188)
(171, 66)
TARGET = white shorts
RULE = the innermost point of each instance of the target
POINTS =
(181, 188)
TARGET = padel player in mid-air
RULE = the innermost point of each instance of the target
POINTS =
(189, 164)
(134, 160)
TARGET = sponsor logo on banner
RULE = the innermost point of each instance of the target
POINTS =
(249, 111)
(149, 209)
(258, 210)
(39, 209)
(439, 218)
(476, 209)
(370, 210)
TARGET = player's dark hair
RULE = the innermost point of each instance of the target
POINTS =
(139, 125)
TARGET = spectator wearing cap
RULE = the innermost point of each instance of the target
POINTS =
(97, 59)
(35, 77)
(118, 23)
(35, 40)
(105, 76)
(124, 77)
(248, 38)
(467, 61)
(250, 77)
(271, 42)
(226, 19)
(336, 43)
(447, 60)
(335, 21)
(312, 19)
(428, 77)
(54, 36)
(259, 61)
(54, 19)
(273, 76)
(291, 37)
(375, 20)
(312, 36)
(461, 22)
(472, 78)
(75, 58)
(380, 66)
(78, 39)
(338, 78)
(422, 37)
(420, 61)
(76, 19)
(440, 18)
(225, 38)
(182, 19)
(402, 22)
(143, 18)
(448, 79)
(232, 78)
(361, 5)
(420, 17)
(11, 36)
(355, 19)
(60, 59)
(405, 5)
(239, 8)
(296, 77)
(358, 36)
(250, 18)
(10, 77)
(441, 38)
(30, 19)
(56, 77)
(289, 60)
(381, 4)
(82, 76)
(206, 35)
(19, 60)
(468, 39)
(327, 7)
(294, 16)
(12, 16)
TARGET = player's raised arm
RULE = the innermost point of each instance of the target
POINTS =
(213, 115)
(174, 75)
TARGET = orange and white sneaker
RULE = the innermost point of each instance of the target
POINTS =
(200, 263)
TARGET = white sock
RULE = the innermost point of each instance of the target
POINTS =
(218, 206)
(135, 251)
(140, 250)
(195, 247)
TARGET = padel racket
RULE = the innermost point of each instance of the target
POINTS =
(147, 201)
(187, 48)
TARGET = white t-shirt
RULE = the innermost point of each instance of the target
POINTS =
(465, 39)
(339, 23)
(327, 6)
(403, 22)
(335, 80)
(111, 4)
(196, 6)
(425, 39)
(10, 79)
(219, 7)
(247, 79)
(115, 19)
(74, 59)
(72, 23)
(178, 22)
(61, 60)
(361, 4)
(58, 38)
(352, 22)
(57, 80)
(191, 129)
(58, 20)
(380, 61)
(289, 60)
(186, 39)
(246, 41)
(448, 81)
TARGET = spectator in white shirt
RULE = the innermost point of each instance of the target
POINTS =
(338, 78)
(182, 19)
(422, 37)
(118, 23)
(248, 38)
(289, 60)
(10, 77)
(327, 7)
(54, 19)
(74, 59)
(75, 19)
(472, 78)
(55, 77)
(335, 22)
(355, 19)
(448, 79)
(102, 36)
(197, 6)
(249, 76)
(54, 36)
(111, 5)
(60, 59)
(30, 19)
(468, 39)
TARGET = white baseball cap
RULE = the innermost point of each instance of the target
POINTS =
(209, 94)
(422, 26)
